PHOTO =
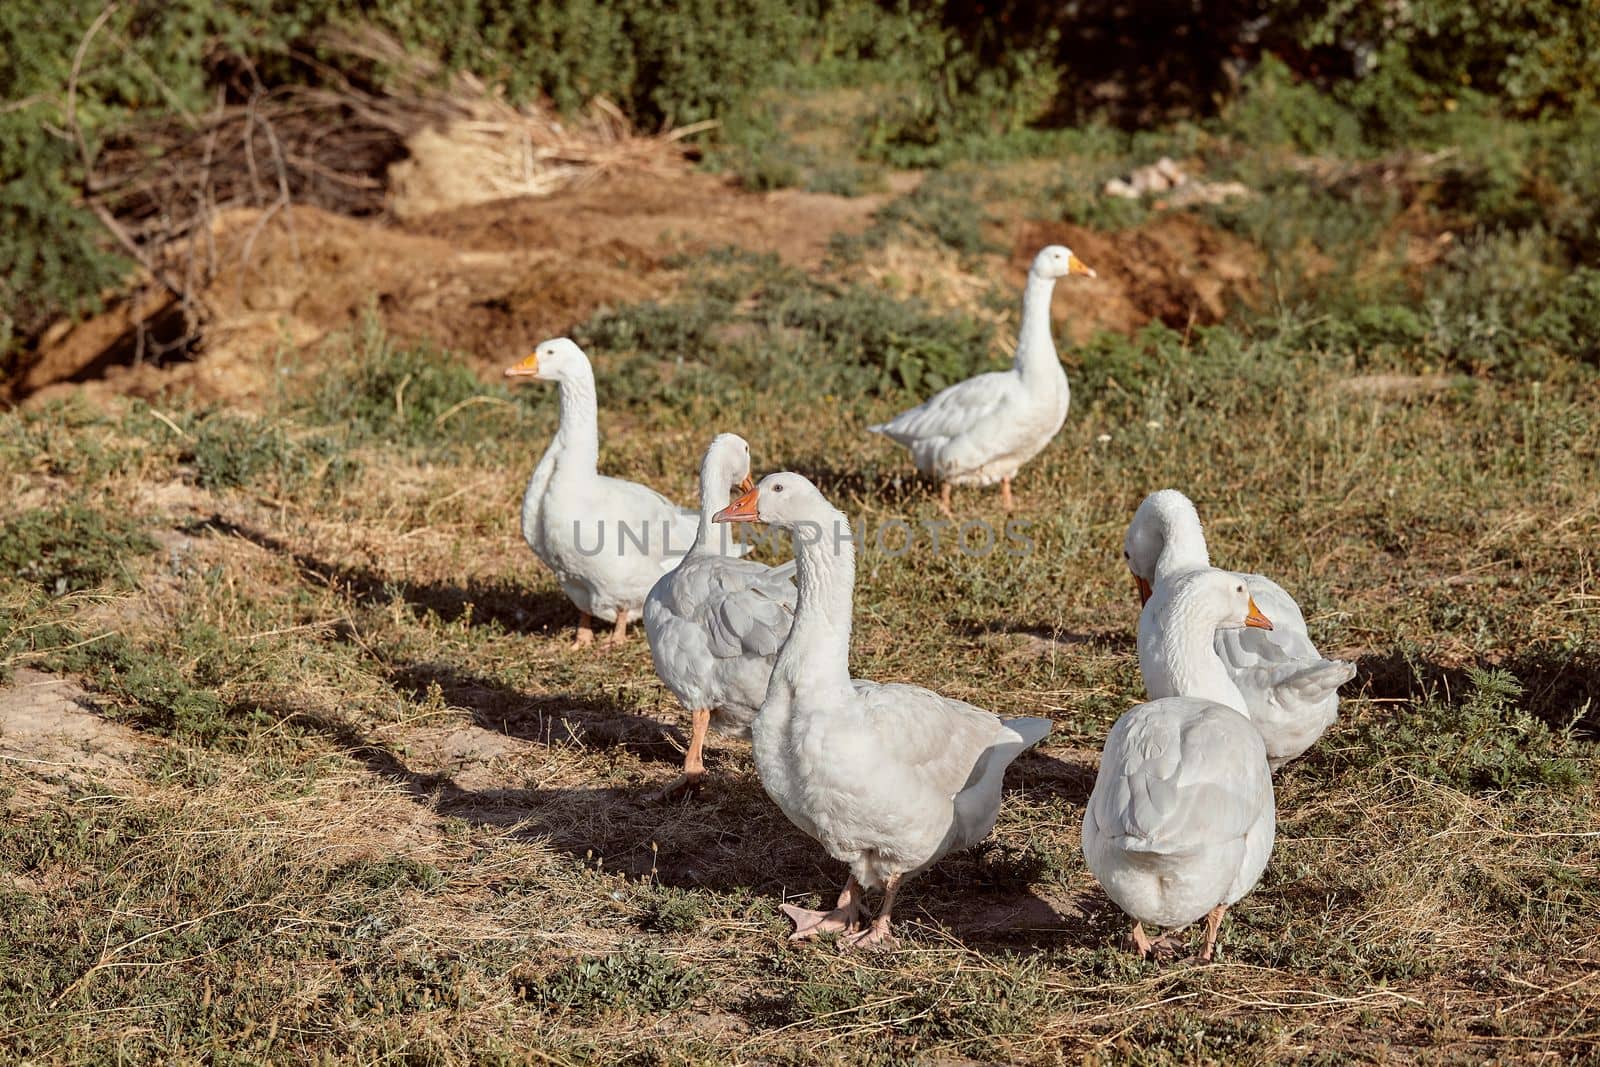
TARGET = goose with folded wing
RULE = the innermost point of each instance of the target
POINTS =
(607, 540)
(982, 430)
(889, 778)
(715, 623)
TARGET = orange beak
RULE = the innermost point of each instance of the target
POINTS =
(1144, 590)
(748, 485)
(1078, 266)
(528, 368)
(741, 510)
(1255, 618)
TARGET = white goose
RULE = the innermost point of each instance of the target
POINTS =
(1181, 821)
(888, 778)
(1290, 692)
(980, 431)
(607, 540)
(715, 624)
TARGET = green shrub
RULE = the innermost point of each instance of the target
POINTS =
(1498, 307)
(154, 692)
(1569, 322)
(230, 452)
(906, 344)
(1486, 742)
(145, 58)
(1535, 56)
(1273, 108)
(71, 547)
(946, 205)
(635, 979)
(415, 396)
(744, 311)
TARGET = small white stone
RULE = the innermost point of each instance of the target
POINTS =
(1104, 438)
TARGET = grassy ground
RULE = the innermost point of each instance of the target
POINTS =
(345, 792)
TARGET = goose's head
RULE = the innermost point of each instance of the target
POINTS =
(1057, 261)
(727, 463)
(1163, 517)
(554, 360)
(1210, 600)
(784, 499)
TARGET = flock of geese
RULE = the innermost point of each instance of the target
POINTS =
(888, 777)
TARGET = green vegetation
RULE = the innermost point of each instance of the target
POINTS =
(947, 82)
(68, 548)
(847, 338)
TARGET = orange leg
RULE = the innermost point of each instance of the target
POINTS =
(585, 636)
(1163, 947)
(1213, 924)
(944, 501)
(1005, 495)
(877, 934)
(694, 768)
(619, 633)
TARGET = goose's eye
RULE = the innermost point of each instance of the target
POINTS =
(1239, 590)
(777, 488)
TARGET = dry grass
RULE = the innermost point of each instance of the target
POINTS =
(378, 811)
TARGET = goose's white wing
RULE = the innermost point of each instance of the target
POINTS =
(1179, 776)
(749, 609)
(940, 738)
(954, 411)
(935, 736)
(1289, 689)
(958, 751)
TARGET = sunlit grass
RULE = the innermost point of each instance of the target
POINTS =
(371, 806)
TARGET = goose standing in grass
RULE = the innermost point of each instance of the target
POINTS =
(980, 431)
(714, 623)
(608, 541)
(1290, 692)
(1181, 821)
(888, 778)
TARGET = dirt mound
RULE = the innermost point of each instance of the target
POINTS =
(489, 279)
(486, 280)
(1176, 268)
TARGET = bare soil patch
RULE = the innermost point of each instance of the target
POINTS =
(490, 279)
(50, 730)
(486, 280)
(1177, 268)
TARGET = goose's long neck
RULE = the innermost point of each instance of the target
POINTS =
(1190, 661)
(825, 561)
(579, 435)
(1183, 548)
(713, 498)
(1036, 349)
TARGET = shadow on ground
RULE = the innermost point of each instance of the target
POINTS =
(1559, 686)
(731, 837)
(548, 720)
(500, 603)
(1109, 641)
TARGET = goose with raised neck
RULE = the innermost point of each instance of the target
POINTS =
(715, 623)
(982, 430)
(887, 777)
(1181, 821)
(606, 540)
(1290, 692)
